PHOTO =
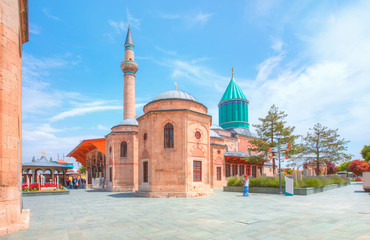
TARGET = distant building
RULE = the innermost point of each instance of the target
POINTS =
(172, 150)
(48, 168)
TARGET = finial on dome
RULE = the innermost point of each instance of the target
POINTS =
(129, 27)
(232, 72)
(43, 154)
(175, 85)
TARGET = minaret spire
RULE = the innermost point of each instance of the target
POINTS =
(129, 67)
(232, 72)
(129, 37)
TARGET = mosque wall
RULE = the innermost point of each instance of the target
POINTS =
(218, 179)
(124, 168)
(170, 170)
(13, 32)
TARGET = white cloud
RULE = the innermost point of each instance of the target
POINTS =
(101, 127)
(277, 44)
(334, 89)
(37, 95)
(118, 26)
(266, 68)
(134, 22)
(168, 52)
(196, 73)
(49, 15)
(79, 111)
(190, 19)
(35, 142)
(34, 29)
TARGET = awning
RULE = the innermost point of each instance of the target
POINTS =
(86, 146)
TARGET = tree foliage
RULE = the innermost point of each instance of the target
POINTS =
(322, 144)
(82, 169)
(358, 167)
(254, 159)
(267, 129)
(344, 166)
(365, 152)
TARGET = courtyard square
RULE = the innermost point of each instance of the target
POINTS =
(341, 213)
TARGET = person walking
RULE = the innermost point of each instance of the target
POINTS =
(246, 186)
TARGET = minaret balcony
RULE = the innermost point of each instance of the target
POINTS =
(129, 66)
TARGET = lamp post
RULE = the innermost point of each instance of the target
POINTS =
(278, 136)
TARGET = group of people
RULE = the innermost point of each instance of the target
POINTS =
(76, 183)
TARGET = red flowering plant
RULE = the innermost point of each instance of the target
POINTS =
(330, 168)
(358, 167)
(35, 187)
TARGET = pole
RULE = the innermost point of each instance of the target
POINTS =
(281, 192)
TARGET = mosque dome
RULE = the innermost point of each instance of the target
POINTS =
(175, 94)
(128, 122)
(175, 99)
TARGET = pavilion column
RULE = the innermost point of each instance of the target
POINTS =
(64, 178)
(52, 175)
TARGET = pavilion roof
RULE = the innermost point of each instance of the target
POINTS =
(44, 164)
(86, 146)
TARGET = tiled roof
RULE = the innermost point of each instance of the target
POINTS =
(233, 91)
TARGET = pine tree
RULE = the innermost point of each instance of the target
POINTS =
(267, 130)
(323, 145)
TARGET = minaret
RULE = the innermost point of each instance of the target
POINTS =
(129, 67)
(233, 107)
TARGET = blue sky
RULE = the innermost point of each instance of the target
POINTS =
(310, 58)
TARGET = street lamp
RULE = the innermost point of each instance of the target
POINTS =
(278, 136)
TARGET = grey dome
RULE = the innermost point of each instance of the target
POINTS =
(128, 122)
(175, 94)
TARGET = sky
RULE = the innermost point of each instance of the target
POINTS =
(309, 58)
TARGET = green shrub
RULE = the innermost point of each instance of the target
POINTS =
(266, 182)
(235, 181)
(319, 181)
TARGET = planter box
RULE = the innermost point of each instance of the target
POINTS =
(297, 191)
(44, 193)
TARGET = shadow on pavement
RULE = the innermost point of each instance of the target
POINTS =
(94, 190)
(359, 191)
(124, 195)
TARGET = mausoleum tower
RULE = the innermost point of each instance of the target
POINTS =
(233, 107)
(129, 67)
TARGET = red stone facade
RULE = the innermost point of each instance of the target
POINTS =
(13, 33)
(171, 169)
(124, 166)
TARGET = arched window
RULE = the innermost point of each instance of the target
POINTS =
(168, 135)
(123, 149)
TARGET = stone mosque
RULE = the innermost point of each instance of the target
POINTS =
(172, 150)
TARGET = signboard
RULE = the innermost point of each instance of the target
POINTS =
(289, 186)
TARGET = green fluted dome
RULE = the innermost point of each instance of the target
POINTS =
(233, 108)
(233, 91)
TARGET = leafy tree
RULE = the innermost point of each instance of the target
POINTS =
(82, 169)
(266, 131)
(344, 166)
(324, 145)
(365, 152)
(359, 166)
(330, 168)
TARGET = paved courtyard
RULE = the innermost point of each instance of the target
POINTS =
(342, 213)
